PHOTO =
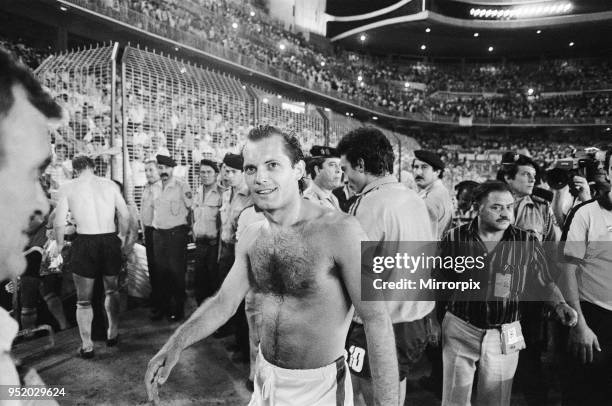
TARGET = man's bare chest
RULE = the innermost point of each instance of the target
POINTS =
(288, 263)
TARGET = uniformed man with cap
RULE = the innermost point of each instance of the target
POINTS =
(324, 169)
(170, 211)
(235, 200)
(534, 214)
(428, 169)
(206, 226)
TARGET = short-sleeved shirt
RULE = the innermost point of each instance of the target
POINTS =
(249, 216)
(57, 171)
(206, 206)
(535, 215)
(439, 205)
(316, 195)
(150, 193)
(588, 241)
(170, 209)
(235, 200)
(389, 211)
(519, 255)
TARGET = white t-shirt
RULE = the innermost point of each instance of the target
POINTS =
(589, 242)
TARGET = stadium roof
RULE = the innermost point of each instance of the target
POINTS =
(446, 29)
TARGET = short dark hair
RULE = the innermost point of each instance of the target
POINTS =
(607, 159)
(313, 162)
(486, 188)
(82, 162)
(291, 143)
(371, 145)
(14, 73)
(511, 169)
(468, 185)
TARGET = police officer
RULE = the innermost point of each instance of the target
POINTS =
(170, 211)
(534, 214)
(324, 170)
(207, 222)
(151, 192)
(235, 200)
(428, 169)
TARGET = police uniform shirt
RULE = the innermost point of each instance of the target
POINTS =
(439, 205)
(388, 211)
(206, 212)
(170, 209)
(235, 200)
(535, 215)
(149, 194)
(316, 195)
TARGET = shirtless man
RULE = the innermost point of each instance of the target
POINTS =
(305, 262)
(93, 202)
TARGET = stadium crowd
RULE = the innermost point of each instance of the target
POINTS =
(189, 192)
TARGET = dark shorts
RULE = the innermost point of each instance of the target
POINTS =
(96, 254)
(410, 342)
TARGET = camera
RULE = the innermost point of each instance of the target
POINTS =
(564, 170)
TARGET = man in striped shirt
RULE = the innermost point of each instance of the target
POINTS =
(482, 325)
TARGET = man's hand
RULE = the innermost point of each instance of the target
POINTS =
(583, 188)
(566, 314)
(582, 341)
(10, 287)
(159, 369)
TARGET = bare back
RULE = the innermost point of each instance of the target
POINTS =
(306, 307)
(92, 202)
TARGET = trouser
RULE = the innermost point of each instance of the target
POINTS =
(206, 279)
(530, 375)
(171, 261)
(590, 384)
(463, 346)
(226, 260)
(238, 320)
(154, 276)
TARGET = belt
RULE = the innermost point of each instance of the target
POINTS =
(479, 325)
(181, 227)
(207, 241)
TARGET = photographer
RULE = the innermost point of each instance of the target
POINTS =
(587, 283)
(575, 180)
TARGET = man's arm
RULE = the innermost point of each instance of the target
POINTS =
(122, 212)
(582, 341)
(204, 321)
(61, 212)
(376, 320)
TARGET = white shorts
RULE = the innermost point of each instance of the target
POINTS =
(326, 386)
